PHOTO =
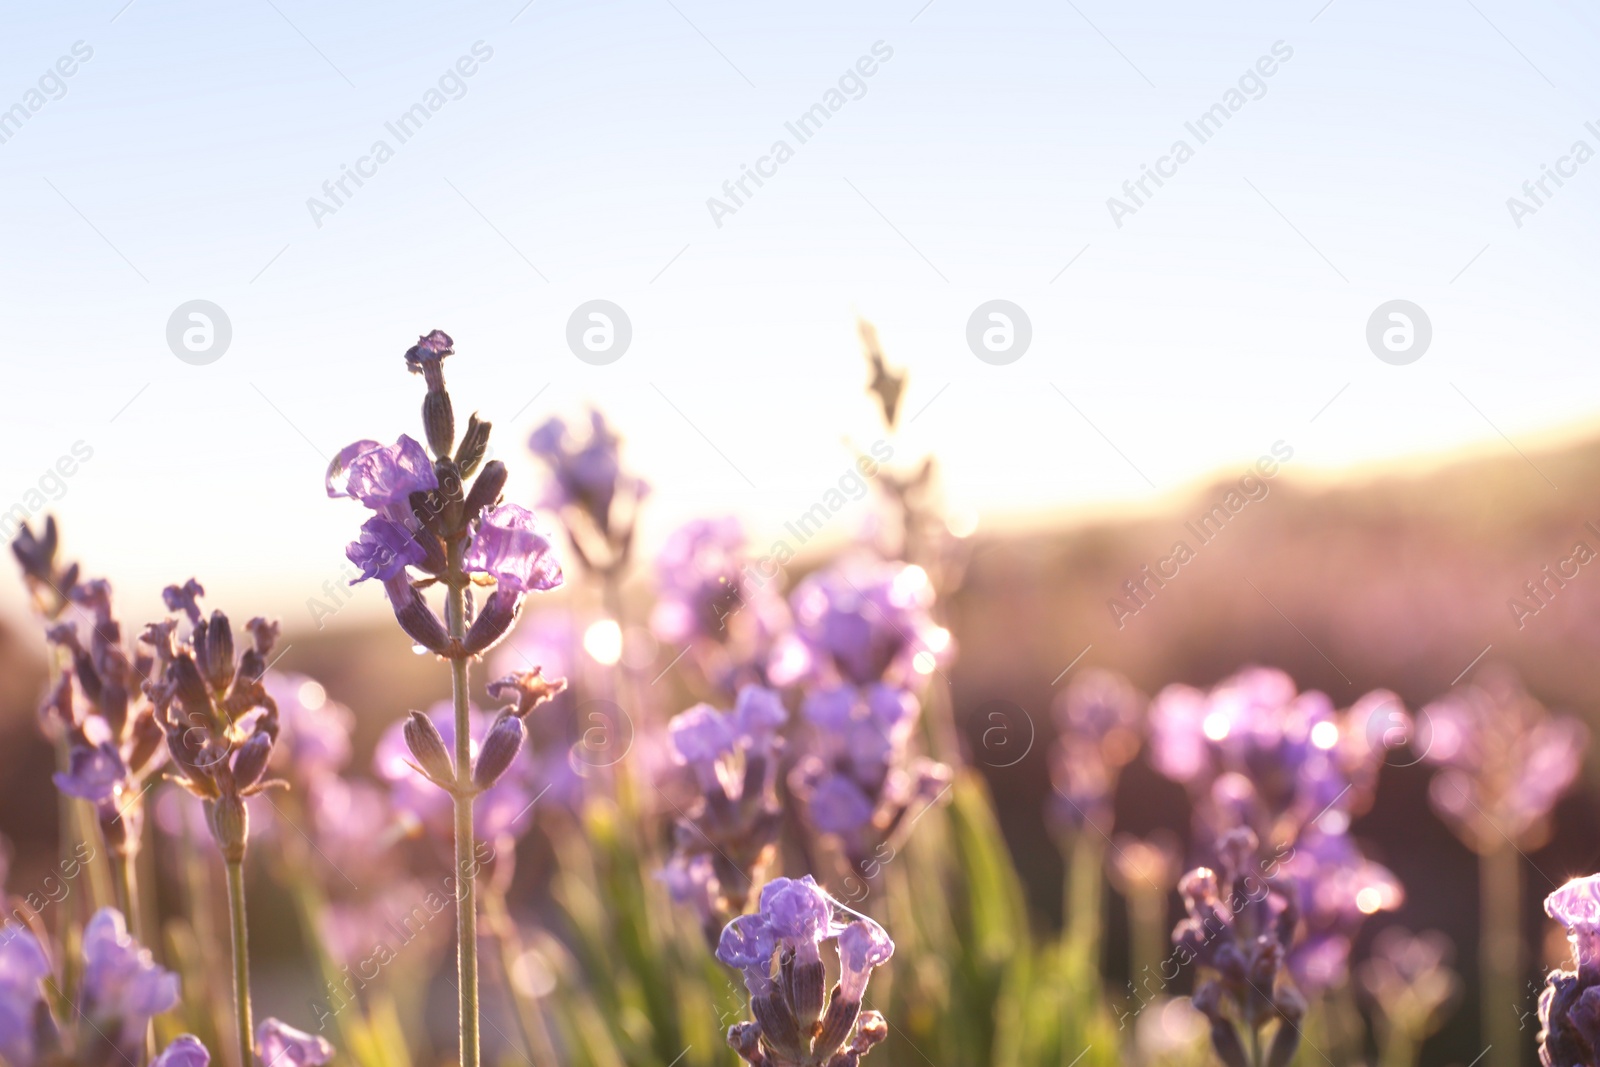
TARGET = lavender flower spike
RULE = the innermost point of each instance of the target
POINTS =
(280, 1045)
(22, 967)
(791, 1027)
(123, 987)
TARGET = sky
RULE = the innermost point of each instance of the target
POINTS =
(558, 153)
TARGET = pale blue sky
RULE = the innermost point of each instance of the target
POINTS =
(576, 164)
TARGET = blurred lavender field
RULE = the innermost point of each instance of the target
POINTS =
(1040, 705)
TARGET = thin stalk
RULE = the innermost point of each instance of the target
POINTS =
(1500, 951)
(241, 964)
(466, 889)
(1147, 936)
(125, 877)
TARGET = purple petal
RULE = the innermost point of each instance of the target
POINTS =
(510, 546)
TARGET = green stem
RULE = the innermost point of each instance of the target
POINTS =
(126, 881)
(1500, 951)
(466, 890)
(241, 964)
(1147, 921)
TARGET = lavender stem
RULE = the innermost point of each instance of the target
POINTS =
(465, 894)
(241, 963)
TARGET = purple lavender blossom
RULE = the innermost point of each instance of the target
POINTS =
(123, 988)
(711, 596)
(280, 1045)
(791, 1027)
(22, 967)
(1097, 718)
(1301, 758)
(732, 823)
(867, 620)
(49, 582)
(113, 738)
(1241, 922)
(858, 781)
(1339, 889)
(384, 550)
(94, 773)
(510, 547)
(382, 477)
(1504, 761)
(1569, 1007)
(586, 470)
(185, 1050)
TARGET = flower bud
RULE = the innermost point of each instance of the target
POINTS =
(872, 1031)
(487, 489)
(414, 615)
(439, 420)
(474, 443)
(426, 744)
(499, 749)
(836, 1023)
(251, 762)
(745, 1039)
(193, 697)
(216, 651)
(147, 738)
(777, 1024)
(230, 825)
(494, 621)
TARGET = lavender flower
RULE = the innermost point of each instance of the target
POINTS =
(49, 582)
(795, 1025)
(278, 1043)
(185, 1050)
(1504, 762)
(463, 539)
(858, 781)
(1569, 1007)
(1255, 752)
(711, 597)
(424, 511)
(122, 988)
(728, 835)
(597, 500)
(867, 620)
(1410, 985)
(114, 743)
(22, 967)
(1098, 718)
(220, 722)
(1240, 927)
(1339, 888)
